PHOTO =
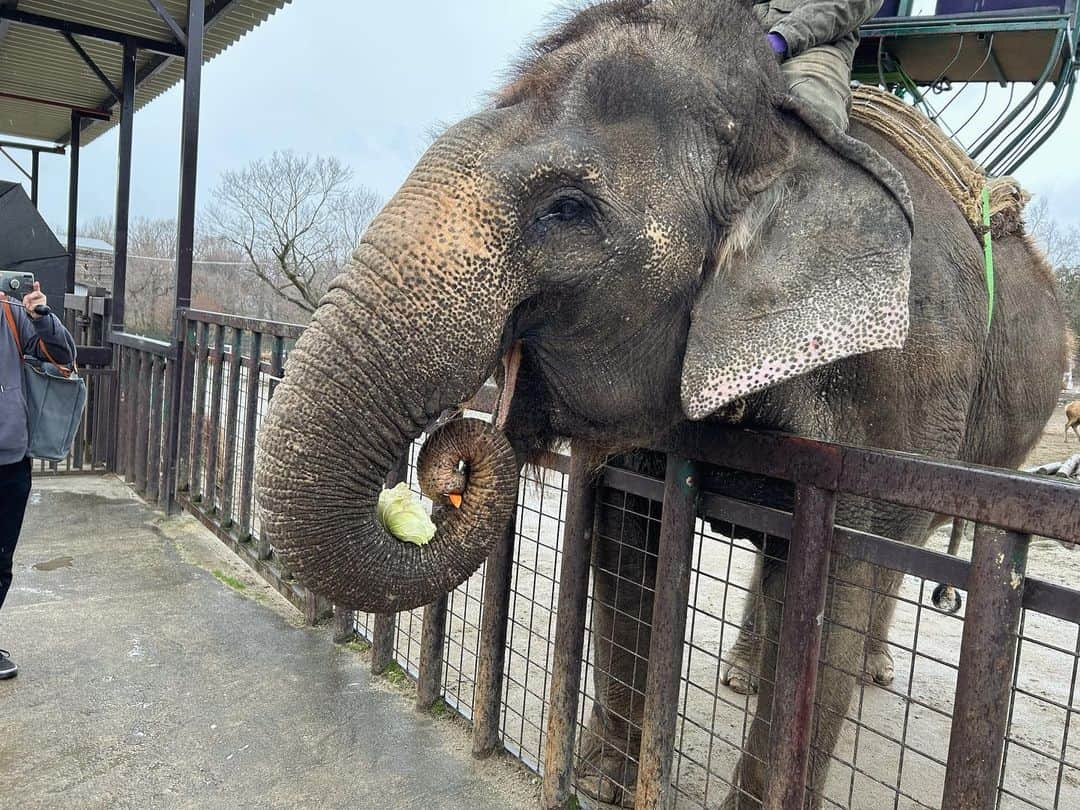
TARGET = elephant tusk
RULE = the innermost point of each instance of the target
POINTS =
(511, 364)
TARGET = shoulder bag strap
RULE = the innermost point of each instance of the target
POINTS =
(14, 329)
(65, 371)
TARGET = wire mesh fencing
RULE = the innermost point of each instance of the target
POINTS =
(897, 694)
(892, 749)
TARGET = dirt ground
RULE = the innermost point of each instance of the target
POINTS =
(893, 749)
(1054, 445)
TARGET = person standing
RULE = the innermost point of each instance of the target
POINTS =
(45, 337)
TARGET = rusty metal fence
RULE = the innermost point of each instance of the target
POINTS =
(981, 713)
(1018, 710)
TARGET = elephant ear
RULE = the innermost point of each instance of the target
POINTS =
(815, 269)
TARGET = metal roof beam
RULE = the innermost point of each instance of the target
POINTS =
(167, 18)
(90, 63)
(93, 31)
(32, 147)
(158, 63)
(85, 112)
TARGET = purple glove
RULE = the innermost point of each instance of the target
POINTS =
(778, 44)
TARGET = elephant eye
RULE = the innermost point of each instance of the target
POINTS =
(565, 209)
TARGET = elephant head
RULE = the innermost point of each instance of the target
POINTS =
(646, 217)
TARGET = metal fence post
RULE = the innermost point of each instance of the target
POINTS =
(800, 645)
(681, 487)
(987, 654)
(569, 634)
(491, 656)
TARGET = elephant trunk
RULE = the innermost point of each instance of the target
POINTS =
(393, 344)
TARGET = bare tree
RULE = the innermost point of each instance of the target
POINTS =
(1062, 246)
(295, 219)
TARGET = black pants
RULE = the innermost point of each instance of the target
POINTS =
(14, 492)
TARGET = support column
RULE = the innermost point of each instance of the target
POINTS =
(185, 228)
(73, 200)
(34, 167)
(123, 187)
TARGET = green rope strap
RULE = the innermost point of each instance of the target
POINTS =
(988, 257)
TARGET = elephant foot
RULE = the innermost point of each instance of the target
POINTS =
(740, 670)
(946, 598)
(604, 772)
(879, 665)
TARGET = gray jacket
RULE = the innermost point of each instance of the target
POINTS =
(32, 333)
(806, 24)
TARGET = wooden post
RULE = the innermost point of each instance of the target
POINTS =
(569, 635)
(429, 680)
(382, 642)
(675, 557)
(344, 625)
(232, 428)
(153, 462)
(800, 646)
(491, 656)
(987, 655)
(251, 415)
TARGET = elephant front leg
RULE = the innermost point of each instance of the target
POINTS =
(843, 643)
(624, 575)
(879, 661)
(742, 661)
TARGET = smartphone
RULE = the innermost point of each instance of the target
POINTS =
(16, 283)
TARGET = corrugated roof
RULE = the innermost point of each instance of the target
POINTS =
(39, 63)
(89, 243)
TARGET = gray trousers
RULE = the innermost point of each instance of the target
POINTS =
(821, 77)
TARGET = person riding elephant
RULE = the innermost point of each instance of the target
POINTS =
(645, 228)
(815, 41)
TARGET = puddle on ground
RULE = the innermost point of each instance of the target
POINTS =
(54, 563)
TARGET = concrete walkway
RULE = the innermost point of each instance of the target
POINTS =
(157, 671)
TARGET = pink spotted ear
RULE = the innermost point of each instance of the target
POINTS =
(826, 276)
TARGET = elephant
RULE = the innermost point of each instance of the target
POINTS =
(643, 228)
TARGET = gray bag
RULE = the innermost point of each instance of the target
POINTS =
(55, 399)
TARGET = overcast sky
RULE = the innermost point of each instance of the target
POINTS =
(366, 82)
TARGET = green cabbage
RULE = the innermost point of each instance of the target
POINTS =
(403, 516)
